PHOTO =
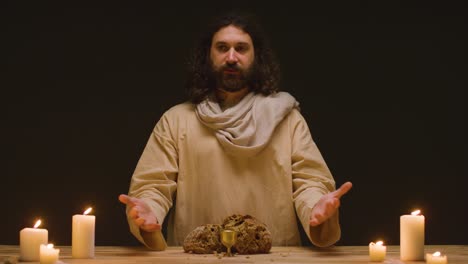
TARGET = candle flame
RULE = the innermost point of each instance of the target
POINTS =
(417, 212)
(436, 254)
(379, 243)
(38, 223)
(88, 211)
(50, 245)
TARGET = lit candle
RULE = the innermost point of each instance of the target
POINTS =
(30, 241)
(48, 254)
(83, 235)
(436, 258)
(412, 236)
(377, 251)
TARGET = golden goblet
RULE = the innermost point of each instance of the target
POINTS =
(228, 238)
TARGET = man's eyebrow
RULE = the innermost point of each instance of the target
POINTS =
(221, 42)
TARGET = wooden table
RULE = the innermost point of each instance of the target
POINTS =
(457, 254)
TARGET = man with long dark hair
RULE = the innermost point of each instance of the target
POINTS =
(239, 146)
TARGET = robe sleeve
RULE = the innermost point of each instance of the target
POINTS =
(154, 180)
(311, 180)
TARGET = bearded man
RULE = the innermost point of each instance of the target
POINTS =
(238, 146)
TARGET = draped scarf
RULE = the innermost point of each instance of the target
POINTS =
(245, 128)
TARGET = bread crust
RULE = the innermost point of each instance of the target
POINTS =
(253, 236)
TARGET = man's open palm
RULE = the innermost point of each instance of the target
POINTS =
(328, 205)
(140, 213)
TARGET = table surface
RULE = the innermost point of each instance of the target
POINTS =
(338, 254)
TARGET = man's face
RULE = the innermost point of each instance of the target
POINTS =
(232, 58)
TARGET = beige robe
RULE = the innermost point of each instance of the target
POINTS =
(184, 169)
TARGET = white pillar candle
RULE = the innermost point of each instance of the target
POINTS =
(83, 235)
(48, 254)
(377, 251)
(412, 236)
(436, 258)
(30, 241)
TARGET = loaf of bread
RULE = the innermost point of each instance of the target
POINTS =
(204, 239)
(253, 236)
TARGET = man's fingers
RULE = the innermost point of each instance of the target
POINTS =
(138, 214)
(316, 220)
(335, 203)
(133, 213)
(128, 200)
(331, 206)
(124, 199)
(139, 221)
(343, 190)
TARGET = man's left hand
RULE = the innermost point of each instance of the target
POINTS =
(328, 205)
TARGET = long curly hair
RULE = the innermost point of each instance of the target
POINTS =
(266, 70)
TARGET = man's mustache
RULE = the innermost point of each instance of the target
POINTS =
(230, 67)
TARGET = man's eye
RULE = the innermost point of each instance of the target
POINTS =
(241, 49)
(223, 48)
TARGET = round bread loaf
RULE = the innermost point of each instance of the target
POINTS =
(253, 237)
(204, 240)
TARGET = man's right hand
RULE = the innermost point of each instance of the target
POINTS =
(140, 213)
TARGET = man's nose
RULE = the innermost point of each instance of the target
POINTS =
(231, 57)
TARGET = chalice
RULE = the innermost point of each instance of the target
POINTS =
(228, 238)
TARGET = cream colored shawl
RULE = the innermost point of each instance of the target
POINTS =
(246, 128)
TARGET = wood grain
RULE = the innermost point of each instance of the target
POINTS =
(457, 254)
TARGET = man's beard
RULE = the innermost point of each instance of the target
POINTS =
(231, 78)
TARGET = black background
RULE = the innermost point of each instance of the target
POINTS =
(380, 85)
